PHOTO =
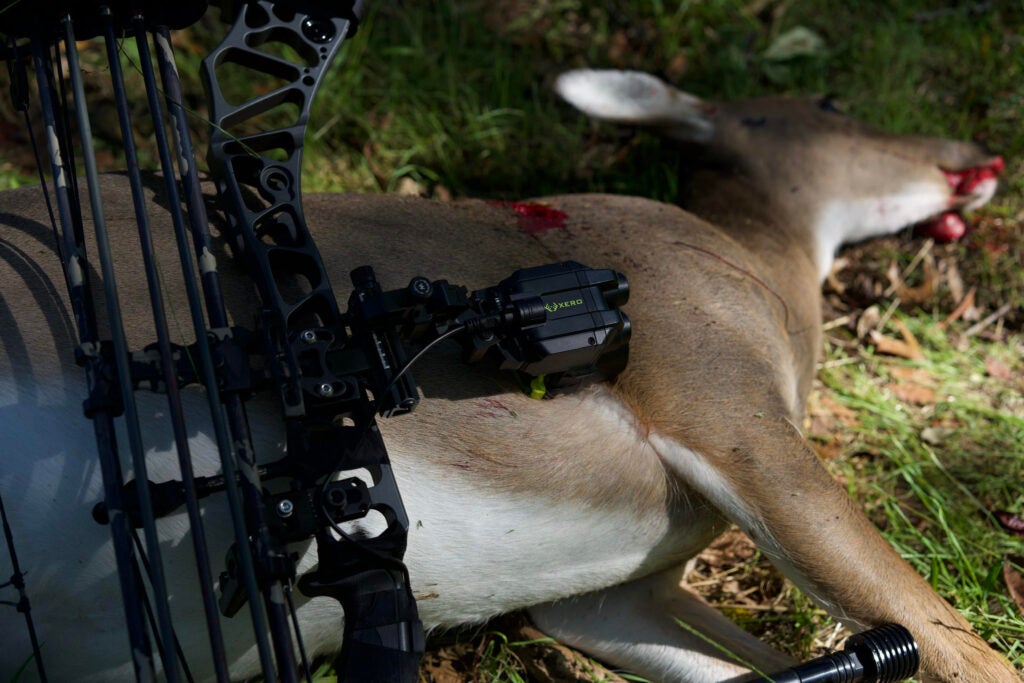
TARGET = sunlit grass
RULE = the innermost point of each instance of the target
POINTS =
(930, 476)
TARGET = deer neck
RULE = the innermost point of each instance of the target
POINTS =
(784, 237)
(798, 223)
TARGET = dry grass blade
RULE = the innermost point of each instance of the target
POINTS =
(966, 304)
(1014, 581)
(988, 320)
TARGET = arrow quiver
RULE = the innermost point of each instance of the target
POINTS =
(333, 372)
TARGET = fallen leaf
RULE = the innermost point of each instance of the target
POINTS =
(915, 385)
(916, 375)
(908, 337)
(954, 281)
(1010, 522)
(965, 309)
(868, 321)
(408, 186)
(846, 416)
(798, 41)
(676, 67)
(913, 393)
(447, 664)
(830, 450)
(922, 293)
(825, 414)
(821, 424)
(832, 280)
(1014, 583)
(547, 660)
(998, 369)
(936, 436)
(729, 549)
(895, 347)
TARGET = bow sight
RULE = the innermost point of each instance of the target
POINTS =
(560, 322)
(333, 371)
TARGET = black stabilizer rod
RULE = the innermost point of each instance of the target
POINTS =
(882, 655)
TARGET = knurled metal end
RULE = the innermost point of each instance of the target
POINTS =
(326, 389)
(285, 508)
(308, 336)
(888, 650)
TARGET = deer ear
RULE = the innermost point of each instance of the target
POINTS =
(638, 99)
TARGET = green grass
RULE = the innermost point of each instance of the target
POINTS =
(932, 493)
(455, 98)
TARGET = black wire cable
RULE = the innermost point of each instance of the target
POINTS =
(68, 149)
(23, 605)
(99, 401)
(307, 672)
(419, 354)
(227, 410)
(158, 581)
(175, 410)
(21, 104)
(179, 652)
(116, 321)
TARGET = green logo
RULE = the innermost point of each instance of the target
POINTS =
(559, 305)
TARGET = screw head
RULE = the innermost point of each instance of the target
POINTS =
(318, 30)
(285, 508)
(308, 336)
(421, 287)
(336, 497)
(326, 390)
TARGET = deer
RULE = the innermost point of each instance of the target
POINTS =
(581, 509)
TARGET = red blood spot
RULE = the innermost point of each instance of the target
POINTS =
(974, 178)
(536, 218)
(954, 178)
(964, 182)
(948, 227)
(493, 408)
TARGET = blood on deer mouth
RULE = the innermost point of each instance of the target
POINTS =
(971, 187)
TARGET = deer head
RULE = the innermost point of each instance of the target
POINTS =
(833, 180)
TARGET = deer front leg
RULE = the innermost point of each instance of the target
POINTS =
(765, 477)
(636, 626)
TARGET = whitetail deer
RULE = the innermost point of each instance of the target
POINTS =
(582, 509)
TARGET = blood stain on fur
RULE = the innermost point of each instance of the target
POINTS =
(536, 218)
(494, 408)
